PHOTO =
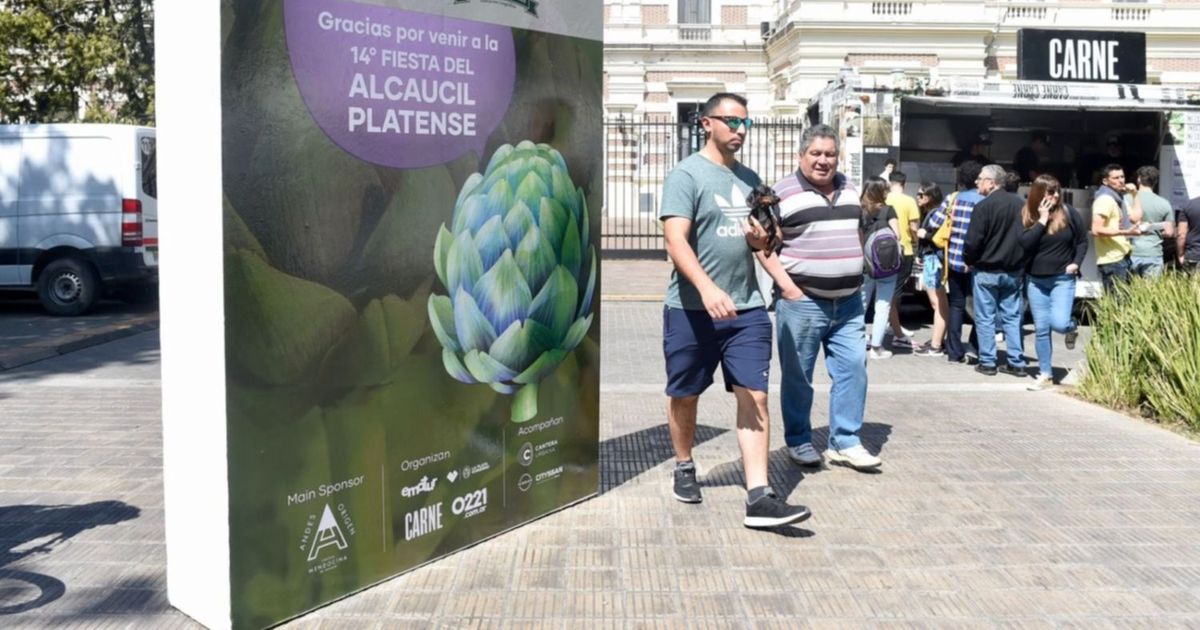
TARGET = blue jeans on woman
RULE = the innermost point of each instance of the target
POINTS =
(881, 289)
(1050, 300)
(804, 327)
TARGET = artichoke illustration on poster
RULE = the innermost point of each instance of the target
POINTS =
(411, 265)
(519, 271)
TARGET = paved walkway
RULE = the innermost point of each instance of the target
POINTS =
(996, 507)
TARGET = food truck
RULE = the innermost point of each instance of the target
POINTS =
(923, 124)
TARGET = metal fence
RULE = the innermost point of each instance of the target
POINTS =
(638, 154)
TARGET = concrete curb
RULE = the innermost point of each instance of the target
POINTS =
(32, 353)
(631, 297)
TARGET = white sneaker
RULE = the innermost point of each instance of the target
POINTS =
(804, 454)
(855, 457)
(906, 332)
(879, 353)
(1042, 383)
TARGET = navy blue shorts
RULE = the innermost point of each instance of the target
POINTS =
(694, 344)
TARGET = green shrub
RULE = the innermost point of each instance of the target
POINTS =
(1145, 349)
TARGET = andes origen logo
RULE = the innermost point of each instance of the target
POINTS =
(328, 534)
(530, 6)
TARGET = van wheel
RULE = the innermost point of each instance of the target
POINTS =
(68, 287)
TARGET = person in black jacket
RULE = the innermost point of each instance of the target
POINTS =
(992, 248)
(1055, 241)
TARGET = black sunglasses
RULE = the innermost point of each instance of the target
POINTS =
(734, 122)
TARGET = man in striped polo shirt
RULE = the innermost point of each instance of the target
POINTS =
(819, 275)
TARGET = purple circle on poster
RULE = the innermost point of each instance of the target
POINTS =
(399, 88)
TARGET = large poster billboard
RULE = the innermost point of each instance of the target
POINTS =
(409, 242)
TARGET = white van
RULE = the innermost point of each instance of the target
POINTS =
(78, 212)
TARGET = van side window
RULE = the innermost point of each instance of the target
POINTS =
(149, 152)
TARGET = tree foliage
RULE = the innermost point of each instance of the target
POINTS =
(77, 60)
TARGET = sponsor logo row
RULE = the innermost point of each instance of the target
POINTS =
(328, 532)
(428, 519)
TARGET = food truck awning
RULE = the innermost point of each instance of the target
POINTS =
(1059, 95)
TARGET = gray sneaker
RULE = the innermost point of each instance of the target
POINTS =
(686, 489)
(804, 454)
(771, 511)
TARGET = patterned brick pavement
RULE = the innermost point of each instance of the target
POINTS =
(996, 507)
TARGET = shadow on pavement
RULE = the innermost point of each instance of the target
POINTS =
(874, 436)
(140, 595)
(784, 475)
(29, 335)
(144, 351)
(789, 531)
(26, 530)
(624, 457)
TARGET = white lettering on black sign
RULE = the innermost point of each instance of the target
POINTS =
(1083, 59)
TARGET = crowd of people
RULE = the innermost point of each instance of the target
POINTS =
(1003, 249)
(837, 251)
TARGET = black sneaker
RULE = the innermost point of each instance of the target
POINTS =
(986, 370)
(771, 511)
(1072, 336)
(686, 488)
(1012, 371)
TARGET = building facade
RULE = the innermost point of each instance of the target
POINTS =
(661, 56)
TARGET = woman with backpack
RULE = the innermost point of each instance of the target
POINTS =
(933, 269)
(1055, 242)
(882, 254)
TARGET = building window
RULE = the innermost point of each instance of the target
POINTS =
(695, 11)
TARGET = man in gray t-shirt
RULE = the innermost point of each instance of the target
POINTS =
(713, 198)
(714, 313)
(1157, 220)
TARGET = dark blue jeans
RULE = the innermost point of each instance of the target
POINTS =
(958, 287)
(1113, 273)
